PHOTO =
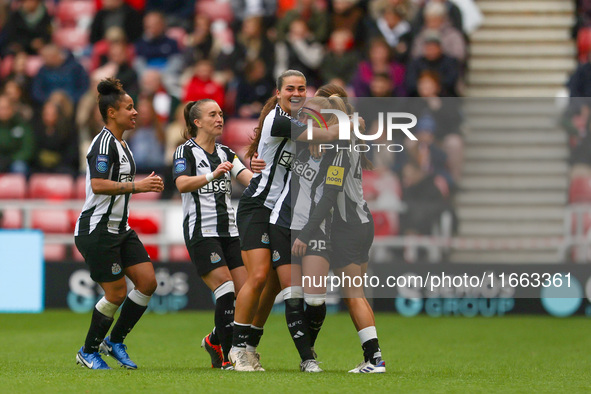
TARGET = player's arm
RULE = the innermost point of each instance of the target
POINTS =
(243, 174)
(186, 183)
(153, 183)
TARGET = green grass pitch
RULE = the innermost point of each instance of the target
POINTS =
(518, 354)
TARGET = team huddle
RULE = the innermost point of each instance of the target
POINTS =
(302, 213)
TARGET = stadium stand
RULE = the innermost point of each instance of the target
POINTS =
(51, 186)
(13, 186)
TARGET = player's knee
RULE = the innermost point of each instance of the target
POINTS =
(259, 279)
(116, 296)
(148, 287)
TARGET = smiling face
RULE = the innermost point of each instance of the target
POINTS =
(124, 116)
(211, 121)
(292, 94)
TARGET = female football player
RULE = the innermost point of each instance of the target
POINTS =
(109, 246)
(202, 171)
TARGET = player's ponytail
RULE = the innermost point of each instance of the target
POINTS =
(110, 93)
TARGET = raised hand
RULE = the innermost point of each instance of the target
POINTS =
(152, 183)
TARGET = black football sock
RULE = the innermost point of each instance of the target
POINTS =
(240, 335)
(224, 317)
(99, 326)
(371, 351)
(213, 338)
(296, 323)
(315, 315)
(254, 337)
(131, 312)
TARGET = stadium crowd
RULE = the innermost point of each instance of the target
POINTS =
(170, 52)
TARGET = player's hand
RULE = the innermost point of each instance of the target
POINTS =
(222, 169)
(315, 151)
(299, 248)
(257, 165)
(152, 183)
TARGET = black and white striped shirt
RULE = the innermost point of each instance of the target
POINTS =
(351, 207)
(208, 211)
(107, 158)
(277, 149)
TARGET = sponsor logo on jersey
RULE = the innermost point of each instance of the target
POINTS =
(265, 238)
(335, 175)
(276, 255)
(304, 170)
(102, 163)
(180, 165)
(217, 186)
(286, 159)
(126, 177)
(215, 258)
(115, 269)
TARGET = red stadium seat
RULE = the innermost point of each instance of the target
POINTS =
(80, 188)
(51, 186)
(369, 184)
(151, 196)
(153, 252)
(54, 252)
(580, 190)
(385, 223)
(70, 13)
(71, 38)
(12, 186)
(145, 222)
(584, 43)
(76, 256)
(238, 134)
(52, 221)
(11, 219)
(216, 10)
(179, 253)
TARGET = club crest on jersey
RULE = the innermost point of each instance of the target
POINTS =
(180, 165)
(215, 258)
(115, 269)
(265, 238)
(102, 163)
(276, 255)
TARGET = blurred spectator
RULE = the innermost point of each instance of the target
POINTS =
(177, 12)
(203, 86)
(88, 120)
(436, 23)
(18, 71)
(424, 201)
(393, 27)
(447, 117)
(56, 141)
(199, 42)
(380, 61)
(28, 28)
(579, 84)
(119, 67)
(348, 14)
(307, 11)
(59, 71)
(18, 95)
(434, 60)
(154, 49)
(17, 143)
(253, 90)
(116, 13)
(300, 51)
(454, 15)
(340, 62)
(174, 137)
(100, 50)
(408, 7)
(151, 86)
(244, 9)
(426, 154)
(252, 44)
(147, 140)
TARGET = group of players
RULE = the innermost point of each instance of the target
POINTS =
(289, 223)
